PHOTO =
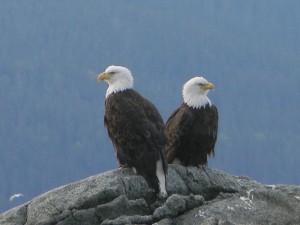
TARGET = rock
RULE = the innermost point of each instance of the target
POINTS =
(259, 205)
(123, 206)
(195, 197)
(177, 204)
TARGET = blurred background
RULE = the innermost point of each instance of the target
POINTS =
(52, 106)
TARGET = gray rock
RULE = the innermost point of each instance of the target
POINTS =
(177, 204)
(261, 205)
(122, 206)
(195, 197)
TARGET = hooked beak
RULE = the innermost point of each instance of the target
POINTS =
(103, 76)
(208, 86)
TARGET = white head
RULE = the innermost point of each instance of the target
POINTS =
(119, 78)
(194, 92)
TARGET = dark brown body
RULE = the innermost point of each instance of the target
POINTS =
(192, 134)
(137, 133)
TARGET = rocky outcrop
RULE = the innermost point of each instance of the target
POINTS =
(208, 197)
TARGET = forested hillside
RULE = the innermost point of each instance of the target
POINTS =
(52, 106)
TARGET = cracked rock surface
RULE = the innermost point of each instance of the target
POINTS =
(119, 196)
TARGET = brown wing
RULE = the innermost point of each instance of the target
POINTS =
(159, 137)
(212, 129)
(177, 129)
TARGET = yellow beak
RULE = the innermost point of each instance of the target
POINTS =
(103, 76)
(208, 86)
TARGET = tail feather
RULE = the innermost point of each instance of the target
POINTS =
(161, 170)
(155, 174)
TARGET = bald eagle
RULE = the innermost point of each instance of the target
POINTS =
(135, 128)
(192, 128)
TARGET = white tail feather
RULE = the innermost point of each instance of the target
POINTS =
(160, 173)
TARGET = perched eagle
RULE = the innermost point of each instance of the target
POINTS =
(135, 127)
(192, 128)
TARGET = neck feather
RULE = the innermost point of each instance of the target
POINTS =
(197, 101)
(118, 85)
